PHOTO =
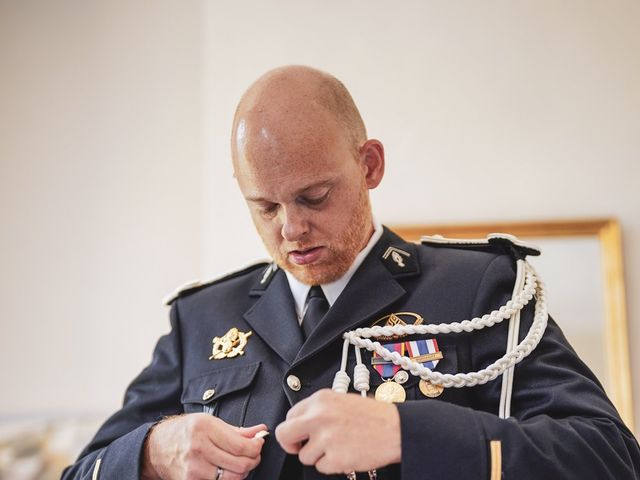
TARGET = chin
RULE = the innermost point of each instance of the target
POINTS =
(316, 275)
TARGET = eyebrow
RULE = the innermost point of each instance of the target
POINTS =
(300, 192)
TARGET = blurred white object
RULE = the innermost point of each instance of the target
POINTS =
(39, 449)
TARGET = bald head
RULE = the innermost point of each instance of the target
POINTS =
(296, 101)
(305, 168)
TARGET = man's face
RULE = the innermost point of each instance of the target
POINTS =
(307, 196)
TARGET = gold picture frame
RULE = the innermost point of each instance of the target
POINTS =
(607, 232)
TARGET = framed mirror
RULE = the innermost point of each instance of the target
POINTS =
(582, 266)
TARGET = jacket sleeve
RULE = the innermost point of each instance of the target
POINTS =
(116, 450)
(562, 423)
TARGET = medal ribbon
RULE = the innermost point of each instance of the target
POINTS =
(423, 347)
(388, 370)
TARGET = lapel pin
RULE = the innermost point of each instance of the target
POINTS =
(397, 255)
(230, 345)
(400, 318)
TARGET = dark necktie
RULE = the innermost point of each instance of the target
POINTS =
(317, 307)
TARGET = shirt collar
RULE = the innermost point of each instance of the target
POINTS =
(332, 290)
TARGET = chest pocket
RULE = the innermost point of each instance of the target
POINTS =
(224, 393)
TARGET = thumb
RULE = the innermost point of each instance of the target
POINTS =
(250, 432)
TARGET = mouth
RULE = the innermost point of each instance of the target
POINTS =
(306, 256)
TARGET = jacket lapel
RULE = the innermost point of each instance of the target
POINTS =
(273, 318)
(371, 290)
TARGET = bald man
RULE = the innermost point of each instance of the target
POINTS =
(256, 351)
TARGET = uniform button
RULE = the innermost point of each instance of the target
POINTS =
(208, 394)
(294, 383)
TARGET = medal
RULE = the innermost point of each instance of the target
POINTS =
(401, 377)
(387, 369)
(430, 390)
(426, 352)
(390, 392)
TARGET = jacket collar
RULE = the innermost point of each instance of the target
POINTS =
(372, 289)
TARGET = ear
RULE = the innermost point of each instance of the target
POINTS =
(372, 158)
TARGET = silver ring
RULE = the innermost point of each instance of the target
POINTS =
(219, 473)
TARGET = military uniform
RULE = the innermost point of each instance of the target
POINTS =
(562, 424)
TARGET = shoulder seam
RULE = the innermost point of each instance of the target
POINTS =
(194, 285)
(492, 240)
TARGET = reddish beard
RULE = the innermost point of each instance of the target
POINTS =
(341, 251)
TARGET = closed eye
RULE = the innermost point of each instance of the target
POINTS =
(315, 201)
(268, 210)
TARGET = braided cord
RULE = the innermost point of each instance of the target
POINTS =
(360, 337)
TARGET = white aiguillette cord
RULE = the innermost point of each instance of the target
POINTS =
(526, 285)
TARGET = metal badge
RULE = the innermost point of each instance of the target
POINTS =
(430, 390)
(401, 377)
(390, 392)
(400, 318)
(230, 345)
(397, 255)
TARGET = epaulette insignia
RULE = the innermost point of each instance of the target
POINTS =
(198, 284)
(265, 279)
(268, 272)
(401, 260)
(512, 243)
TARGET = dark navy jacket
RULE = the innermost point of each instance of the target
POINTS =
(562, 426)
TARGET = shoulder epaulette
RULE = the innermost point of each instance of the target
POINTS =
(195, 285)
(494, 240)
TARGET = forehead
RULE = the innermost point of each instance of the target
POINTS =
(288, 152)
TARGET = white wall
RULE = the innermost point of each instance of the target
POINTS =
(99, 195)
(488, 110)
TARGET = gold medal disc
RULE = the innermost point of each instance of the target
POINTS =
(391, 392)
(430, 390)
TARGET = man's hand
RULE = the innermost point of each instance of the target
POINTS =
(341, 433)
(193, 446)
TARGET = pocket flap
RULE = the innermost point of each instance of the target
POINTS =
(216, 384)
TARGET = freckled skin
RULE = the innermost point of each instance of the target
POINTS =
(283, 143)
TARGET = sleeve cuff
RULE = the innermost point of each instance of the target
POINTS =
(122, 459)
(441, 440)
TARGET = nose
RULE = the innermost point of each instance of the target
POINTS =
(294, 223)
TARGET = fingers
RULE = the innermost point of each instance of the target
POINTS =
(251, 432)
(300, 408)
(326, 430)
(231, 448)
(302, 419)
(329, 466)
(291, 434)
(194, 445)
(233, 441)
(226, 475)
(311, 452)
(233, 465)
